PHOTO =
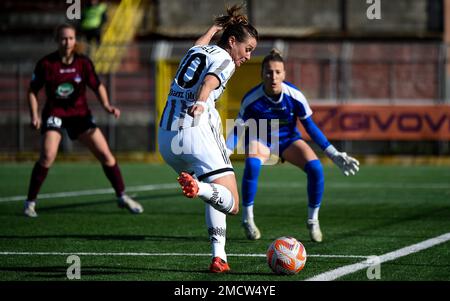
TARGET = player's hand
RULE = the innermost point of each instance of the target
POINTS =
(113, 110)
(197, 109)
(36, 123)
(348, 165)
(216, 28)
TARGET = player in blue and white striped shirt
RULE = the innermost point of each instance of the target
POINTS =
(274, 107)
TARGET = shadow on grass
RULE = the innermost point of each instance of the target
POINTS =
(87, 204)
(102, 202)
(113, 237)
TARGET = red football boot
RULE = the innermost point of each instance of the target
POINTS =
(219, 265)
(188, 184)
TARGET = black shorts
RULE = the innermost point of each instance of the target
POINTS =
(75, 126)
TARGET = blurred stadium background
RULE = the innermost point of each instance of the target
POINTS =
(380, 88)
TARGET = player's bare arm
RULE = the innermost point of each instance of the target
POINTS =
(208, 35)
(104, 100)
(34, 113)
(209, 84)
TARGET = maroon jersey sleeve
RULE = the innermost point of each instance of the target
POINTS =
(91, 76)
(38, 77)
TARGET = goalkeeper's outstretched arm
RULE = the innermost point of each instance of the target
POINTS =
(348, 165)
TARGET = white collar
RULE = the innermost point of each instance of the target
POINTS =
(280, 98)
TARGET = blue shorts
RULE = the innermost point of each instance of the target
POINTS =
(287, 142)
(281, 146)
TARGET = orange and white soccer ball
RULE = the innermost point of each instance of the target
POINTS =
(286, 256)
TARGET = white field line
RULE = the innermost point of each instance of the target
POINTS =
(91, 192)
(157, 254)
(349, 269)
(167, 186)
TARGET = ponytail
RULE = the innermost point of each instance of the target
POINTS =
(236, 24)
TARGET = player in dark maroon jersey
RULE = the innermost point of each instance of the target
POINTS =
(65, 75)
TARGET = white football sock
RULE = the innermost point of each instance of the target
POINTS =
(247, 213)
(30, 203)
(313, 213)
(217, 229)
(217, 196)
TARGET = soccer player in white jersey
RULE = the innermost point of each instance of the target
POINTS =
(275, 100)
(190, 138)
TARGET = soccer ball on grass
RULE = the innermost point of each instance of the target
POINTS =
(286, 256)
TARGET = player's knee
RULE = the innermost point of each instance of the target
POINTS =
(107, 159)
(314, 168)
(46, 163)
(46, 160)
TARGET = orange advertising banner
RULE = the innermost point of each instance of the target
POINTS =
(383, 122)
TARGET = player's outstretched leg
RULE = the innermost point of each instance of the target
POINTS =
(214, 194)
(219, 202)
(188, 184)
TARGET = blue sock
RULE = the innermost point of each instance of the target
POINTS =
(316, 181)
(250, 181)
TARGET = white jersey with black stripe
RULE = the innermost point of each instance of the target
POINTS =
(196, 64)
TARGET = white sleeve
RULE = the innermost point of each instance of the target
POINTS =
(222, 69)
(302, 108)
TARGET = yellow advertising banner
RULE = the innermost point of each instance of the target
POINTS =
(383, 122)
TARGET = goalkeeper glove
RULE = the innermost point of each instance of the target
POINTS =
(347, 164)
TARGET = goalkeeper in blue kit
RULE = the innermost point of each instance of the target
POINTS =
(268, 115)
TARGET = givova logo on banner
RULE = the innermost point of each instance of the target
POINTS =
(383, 122)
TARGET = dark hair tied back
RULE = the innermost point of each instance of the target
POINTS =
(233, 17)
(235, 23)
